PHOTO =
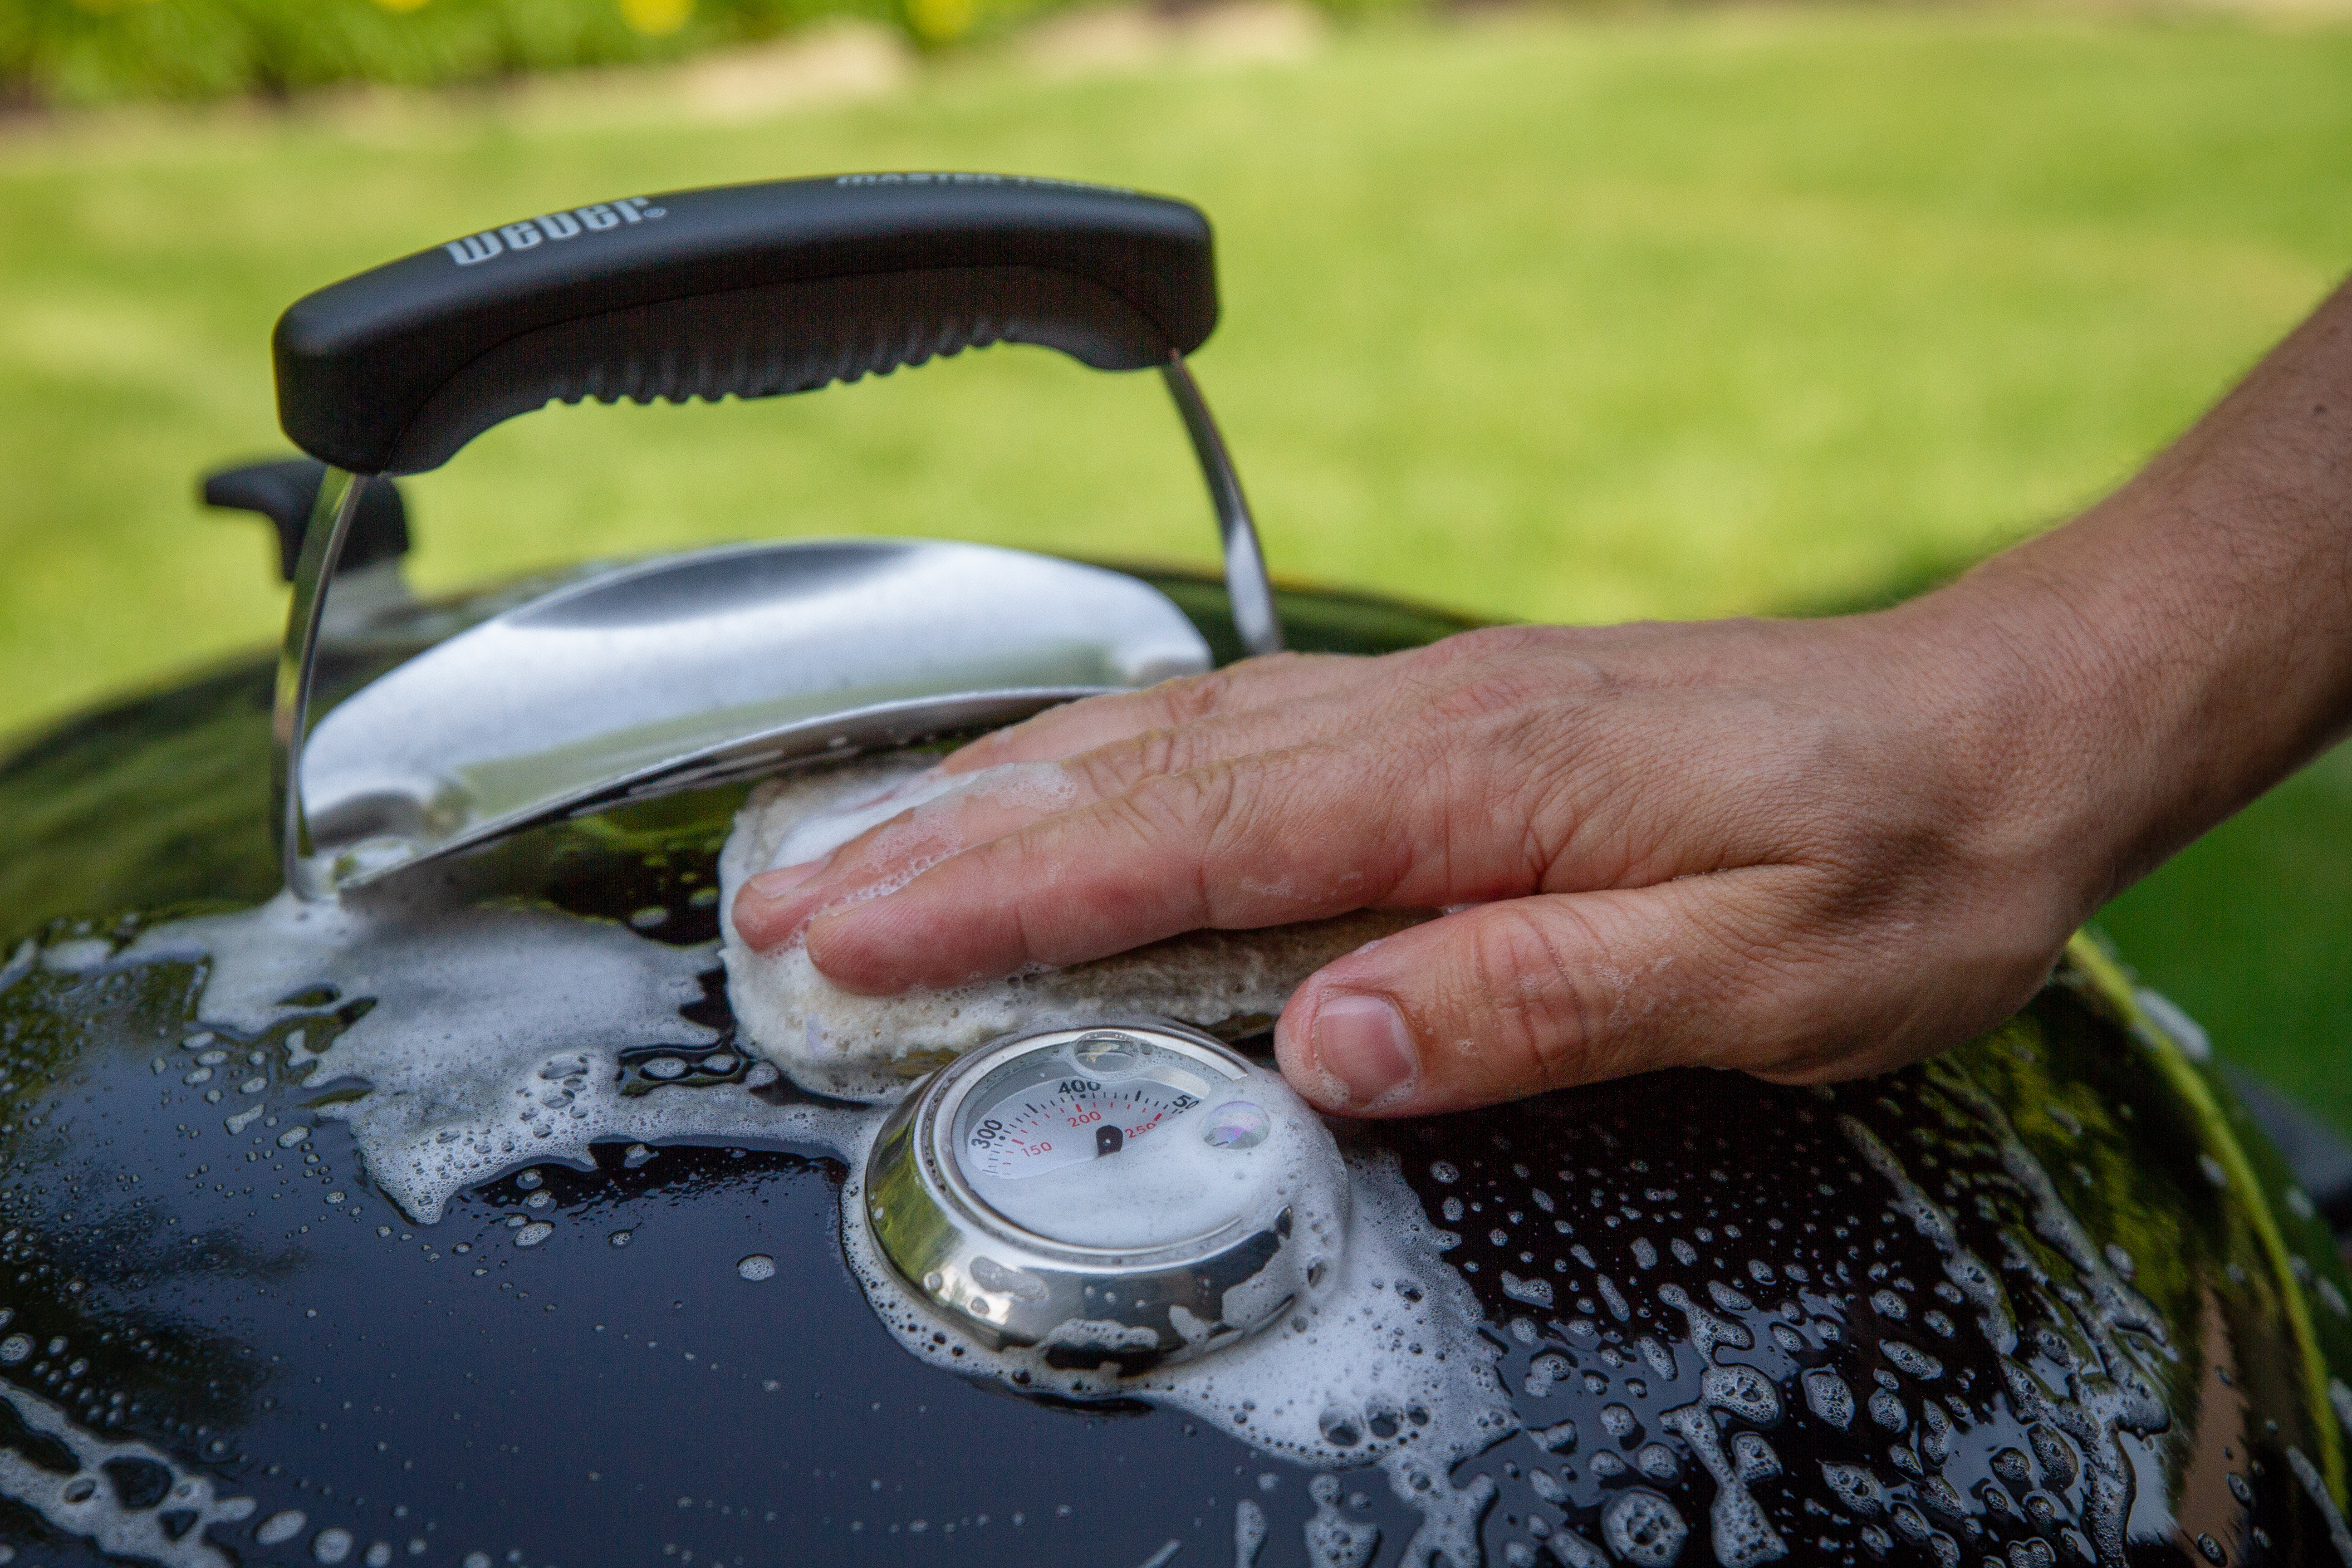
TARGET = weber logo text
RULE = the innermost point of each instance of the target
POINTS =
(531, 232)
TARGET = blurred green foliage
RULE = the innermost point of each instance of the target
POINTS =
(95, 51)
(84, 52)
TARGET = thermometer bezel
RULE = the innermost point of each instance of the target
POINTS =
(1007, 1286)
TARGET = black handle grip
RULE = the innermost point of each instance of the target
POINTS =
(748, 291)
(285, 490)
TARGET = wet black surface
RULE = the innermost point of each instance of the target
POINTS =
(2074, 1310)
(2009, 1388)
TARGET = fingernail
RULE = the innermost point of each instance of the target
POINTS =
(775, 884)
(1362, 1041)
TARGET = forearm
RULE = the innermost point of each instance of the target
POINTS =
(2187, 643)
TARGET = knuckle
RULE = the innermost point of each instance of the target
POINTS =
(1542, 1014)
(1210, 815)
(1190, 698)
(1506, 693)
(1110, 769)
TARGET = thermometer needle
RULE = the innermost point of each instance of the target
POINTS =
(1108, 1140)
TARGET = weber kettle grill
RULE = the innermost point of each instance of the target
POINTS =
(687, 672)
(2052, 1297)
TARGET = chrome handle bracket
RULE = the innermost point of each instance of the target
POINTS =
(309, 876)
(1246, 585)
(298, 670)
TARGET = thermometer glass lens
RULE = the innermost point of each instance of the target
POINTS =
(1087, 1099)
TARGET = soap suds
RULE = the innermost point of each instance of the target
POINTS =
(464, 1043)
(835, 1043)
(486, 1037)
(173, 1529)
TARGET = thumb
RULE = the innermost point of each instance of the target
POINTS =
(1507, 999)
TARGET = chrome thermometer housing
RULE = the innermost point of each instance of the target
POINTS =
(1133, 1193)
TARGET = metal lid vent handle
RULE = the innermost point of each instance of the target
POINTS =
(747, 291)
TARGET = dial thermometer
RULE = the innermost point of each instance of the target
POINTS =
(1140, 1194)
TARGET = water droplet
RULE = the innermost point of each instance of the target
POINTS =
(1533, 1292)
(1827, 1395)
(664, 1067)
(281, 1527)
(331, 1545)
(637, 1155)
(1644, 1529)
(529, 1180)
(756, 1266)
(1856, 1488)
(534, 1232)
(293, 1135)
(1916, 1362)
(620, 1237)
(14, 1349)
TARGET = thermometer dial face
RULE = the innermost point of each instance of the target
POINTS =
(1089, 1099)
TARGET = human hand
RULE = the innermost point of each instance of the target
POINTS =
(1807, 849)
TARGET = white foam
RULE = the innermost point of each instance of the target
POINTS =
(83, 1501)
(835, 1043)
(495, 1038)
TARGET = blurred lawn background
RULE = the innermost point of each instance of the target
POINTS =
(1652, 314)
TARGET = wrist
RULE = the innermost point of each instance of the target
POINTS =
(2030, 696)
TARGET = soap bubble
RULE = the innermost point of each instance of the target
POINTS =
(1236, 1124)
(1107, 1055)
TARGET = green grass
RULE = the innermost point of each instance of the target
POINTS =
(1672, 315)
(2251, 931)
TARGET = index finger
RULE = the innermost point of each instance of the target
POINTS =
(1265, 839)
